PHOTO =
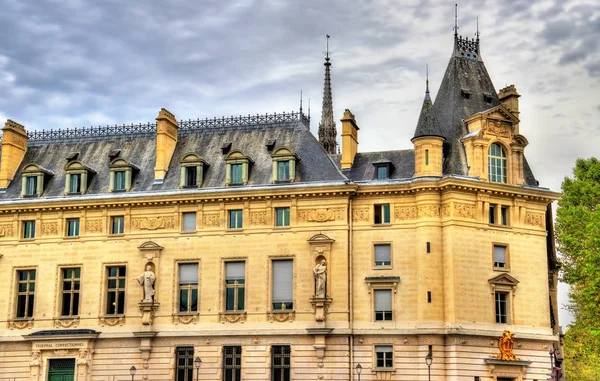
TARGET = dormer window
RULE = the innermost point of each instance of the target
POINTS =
(237, 171)
(284, 165)
(121, 175)
(383, 169)
(497, 164)
(192, 171)
(466, 93)
(78, 177)
(33, 180)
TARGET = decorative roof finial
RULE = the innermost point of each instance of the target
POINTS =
(327, 130)
(309, 110)
(477, 34)
(427, 78)
(455, 20)
(327, 52)
(300, 102)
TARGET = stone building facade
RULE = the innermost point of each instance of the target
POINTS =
(242, 243)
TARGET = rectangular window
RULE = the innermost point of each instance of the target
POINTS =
(384, 356)
(235, 285)
(232, 363)
(383, 305)
(235, 219)
(504, 215)
(28, 229)
(383, 254)
(282, 216)
(499, 256)
(75, 183)
(185, 363)
(501, 305)
(71, 283)
(236, 174)
(492, 214)
(188, 287)
(382, 172)
(115, 298)
(191, 177)
(428, 247)
(73, 227)
(283, 285)
(283, 170)
(117, 225)
(119, 184)
(189, 221)
(426, 157)
(428, 296)
(382, 214)
(25, 293)
(31, 185)
(280, 362)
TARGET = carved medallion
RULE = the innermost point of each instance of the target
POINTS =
(281, 316)
(185, 319)
(321, 215)
(153, 223)
(228, 317)
(20, 324)
(66, 323)
(112, 321)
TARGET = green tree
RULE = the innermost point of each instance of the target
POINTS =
(578, 237)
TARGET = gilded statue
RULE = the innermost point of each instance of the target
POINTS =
(147, 280)
(505, 344)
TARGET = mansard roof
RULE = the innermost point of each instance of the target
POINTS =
(363, 170)
(206, 139)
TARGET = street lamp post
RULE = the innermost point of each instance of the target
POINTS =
(428, 361)
(197, 363)
(358, 370)
(132, 371)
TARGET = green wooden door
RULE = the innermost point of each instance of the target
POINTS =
(61, 370)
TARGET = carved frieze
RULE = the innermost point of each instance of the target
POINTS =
(281, 316)
(405, 213)
(211, 220)
(229, 317)
(446, 210)
(185, 319)
(112, 321)
(66, 323)
(360, 215)
(321, 215)
(93, 226)
(425, 211)
(6, 230)
(464, 210)
(50, 228)
(258, 218)
(535, 219)
(20, 324)
(497, 128)
(153, 223)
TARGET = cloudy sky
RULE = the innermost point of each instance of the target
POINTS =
(74, 63)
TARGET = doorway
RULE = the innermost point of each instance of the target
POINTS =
(61, 370)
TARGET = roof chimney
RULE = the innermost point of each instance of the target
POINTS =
(166, 139)
(14, 146)
(349, 139)
(509, 97)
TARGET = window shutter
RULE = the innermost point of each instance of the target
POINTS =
(382, 254)
(383, 300)
(188, 273)
(189, 221)
(282, 281)
(235, 270)
(499, 254)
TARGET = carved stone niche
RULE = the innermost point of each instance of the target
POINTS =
(320, 249)
(151, 254)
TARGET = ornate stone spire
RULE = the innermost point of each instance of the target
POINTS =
(428, 124)
(327, 130)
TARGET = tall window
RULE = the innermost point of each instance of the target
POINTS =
(382, 214)
(283, 170)
(500, 256)
(383, 255)
(73, 227)
(236, 174)
(28, 229)
(120, 181)
(188, 287)
(235, 285)
(384, 356)
(235, 219)
(31, 185)
(115, 298)
(191, 177)
(185, 363)
(426, 157)
(501, 306)
(282, 216)
(75, 183)
(504, 215)
(25, 293)
(382, 172)
(232, 363)
(280, 362)
(117, 225)
(189, 221)
(70, 292)
(283, 285)
(492, 213)
(497, 163)
(383, 305)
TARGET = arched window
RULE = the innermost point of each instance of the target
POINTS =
(496, 163)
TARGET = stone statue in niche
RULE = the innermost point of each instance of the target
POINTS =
(320, 271)
(147, 280)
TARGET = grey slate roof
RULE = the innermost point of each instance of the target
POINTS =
(140, 149)
(363, 170)
(427, 124)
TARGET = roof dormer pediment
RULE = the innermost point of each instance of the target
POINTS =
(499, 113)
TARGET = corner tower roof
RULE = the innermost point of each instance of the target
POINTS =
(427, 124)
